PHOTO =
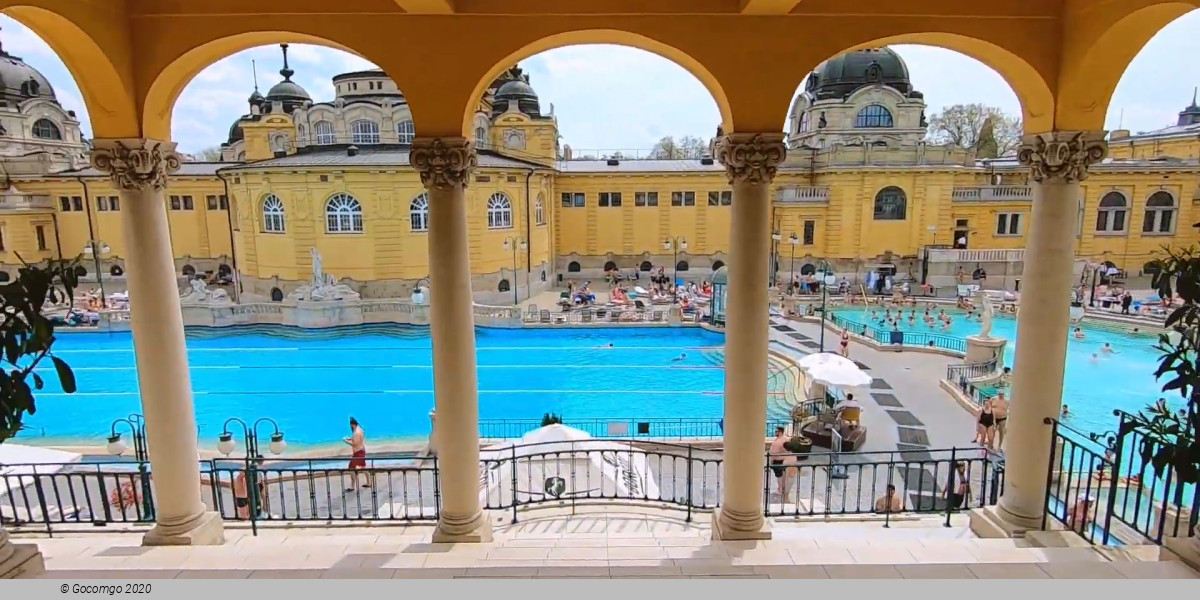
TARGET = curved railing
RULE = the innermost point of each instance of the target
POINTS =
(884, 337)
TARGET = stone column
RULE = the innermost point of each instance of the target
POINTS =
(139, 169)
(1058, 162)
(750, 161)
(445, 165)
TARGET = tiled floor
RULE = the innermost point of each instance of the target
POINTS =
(596, 546)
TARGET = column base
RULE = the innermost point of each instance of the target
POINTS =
(478, 533)
(723, 531)
(24, 562)
(995, 522)
(1187, 549)
(206, 530)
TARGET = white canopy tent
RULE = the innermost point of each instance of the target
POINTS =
(560, 462)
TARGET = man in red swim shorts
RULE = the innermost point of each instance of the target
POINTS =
(358, 445)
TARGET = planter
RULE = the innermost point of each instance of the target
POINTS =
(800, 446)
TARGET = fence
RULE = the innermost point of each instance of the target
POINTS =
(662, 429)
(960, 371)
(1104, 490)
(585, 316)
(688, 477)
(901, 338)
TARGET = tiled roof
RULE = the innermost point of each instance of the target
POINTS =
(366, 157)
(186, 169)
(638, 166)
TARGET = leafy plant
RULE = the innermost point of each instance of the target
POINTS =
(1172, 439)
(551, 419)
(798, 445)
(28, 336)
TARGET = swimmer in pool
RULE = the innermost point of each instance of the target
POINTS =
(681, 356)
(1095, 357)
(1066, 412)
(608, 345)
(1108, 349)
(1078, 333)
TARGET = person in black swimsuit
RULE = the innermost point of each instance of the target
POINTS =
(987, 420)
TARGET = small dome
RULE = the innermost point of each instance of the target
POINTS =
(256, 98)
(721, 276)
(845, 74)
(235, 132)
(21, 81)
(516, 91)
(288, 92)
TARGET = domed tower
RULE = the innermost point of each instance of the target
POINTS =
(289, 94)
(37, 134)
(517, 125)
(863, 97)
(516, 94)
(1190, 115)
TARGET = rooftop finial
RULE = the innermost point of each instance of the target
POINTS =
(2, 52)
(285, 71)
(254, 71)
(1194, 90)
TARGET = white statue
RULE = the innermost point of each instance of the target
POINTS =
(985, 317)
(200, 294)
(318, 276)
(322, 287)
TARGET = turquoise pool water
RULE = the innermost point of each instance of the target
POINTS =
(312, 381)
(1092, 387)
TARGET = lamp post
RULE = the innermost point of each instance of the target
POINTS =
(96, 249)
(141, 453)
(775, 237)
(827, 279)
(511, 243)
(675, 245)
(794, 241)
(226, 446)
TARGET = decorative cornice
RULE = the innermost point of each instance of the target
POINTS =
(1062, 156)
(444, 163)
(135, 164)
(751, 157)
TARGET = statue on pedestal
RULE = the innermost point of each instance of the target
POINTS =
(200, 294)
(322, 287)
(985, 317)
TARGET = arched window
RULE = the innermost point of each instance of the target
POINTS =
(539, 211)
(573, 267)
(418, 213)
(873, 117)
(272, 214)
(324, 131)
(681, 265)
(504, 286)
(300, 132)
(717, 264)
(645, 266)
(543, 275)
(364, 132)
(406, 132)
(1112, 212)
(891, 204)
(343, 214)
(1160, 213)
(46, 130)
(276, 295)
(499, 212)
(188, 270)
(481, 137)
(610, 266)
(804, 121)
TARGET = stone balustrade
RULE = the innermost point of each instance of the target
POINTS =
(993, 193)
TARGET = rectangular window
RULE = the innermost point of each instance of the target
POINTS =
(212, 202)
(40, 231)
(101, 203)
(720, 198)
(223, 202)
(683, 198)
(76, 203)
(810, 232)
(64, 203)
(1, 240)
(645, 198)
(187, 203)
(114, 202)
(574, 199)
(175, 205)
(610, 199)
(1008, 224)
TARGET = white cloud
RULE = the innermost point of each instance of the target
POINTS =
(609, 97)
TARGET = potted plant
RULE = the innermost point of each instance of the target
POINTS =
(28, 337)
(551, 419)
(799, 445)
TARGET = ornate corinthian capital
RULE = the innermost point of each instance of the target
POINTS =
(135, 164)
(751, 157)
(443, 162)
(1062, 156)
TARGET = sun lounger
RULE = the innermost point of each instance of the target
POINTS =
(545, 317)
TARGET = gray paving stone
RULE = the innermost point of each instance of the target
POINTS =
(903, 417)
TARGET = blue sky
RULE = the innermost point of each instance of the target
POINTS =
(593, 87)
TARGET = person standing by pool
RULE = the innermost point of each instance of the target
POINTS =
(1000, 410)
(358, 448)
(777, 461)
(845, 343)
(985, 426)
(957, 487)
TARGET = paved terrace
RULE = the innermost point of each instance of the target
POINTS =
(610, 545)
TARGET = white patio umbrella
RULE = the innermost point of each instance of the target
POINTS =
(562, 462)
(18, 465)
(833, 370)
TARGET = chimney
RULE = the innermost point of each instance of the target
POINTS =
(352, 150)
(612, 162)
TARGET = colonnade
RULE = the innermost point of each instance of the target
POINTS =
(141, 169)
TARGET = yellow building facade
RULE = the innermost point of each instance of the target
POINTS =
(861, 187)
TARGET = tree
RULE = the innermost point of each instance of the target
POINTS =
(28, 336)
(210, 154)
(688, 146)
(984, 129)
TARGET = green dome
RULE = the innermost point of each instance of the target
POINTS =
(721, 276)
(845, 74)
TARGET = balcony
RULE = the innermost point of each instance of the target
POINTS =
(993, 193)
(25, 202)
(802, 195)
(945, 255)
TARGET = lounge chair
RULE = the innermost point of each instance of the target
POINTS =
(545, 317)
(639, 304)
(585, 316)
(532, 315)
(658, 316)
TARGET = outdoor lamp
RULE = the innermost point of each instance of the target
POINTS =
(830, 279)
(507, 244)
(524, 245)
(116, 446)
(776, 236)
(418, 297)
(225, 444)
(666, 244)
(795, 241)
(683, 244)
(277, 445)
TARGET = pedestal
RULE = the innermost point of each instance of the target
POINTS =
(1187, 549)
(206, 530)
(981, 349)
(729, 534)
(19, 560)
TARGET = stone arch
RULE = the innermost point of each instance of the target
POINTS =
(188, 270)
(1028, 81)
(718, 265)
(167, 81)
(599, 36)
(645, 267)
(573, 267)
(106, 87)
(276, 295)
(1098, 63)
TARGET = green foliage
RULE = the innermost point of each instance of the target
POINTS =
(551, 419)
(798, 445)
(1171, 438)
(28, 336)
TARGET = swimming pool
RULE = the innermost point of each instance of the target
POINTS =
(311, 381)
(1092, 388)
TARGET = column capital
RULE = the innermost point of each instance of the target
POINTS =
(1062, 156)
(135, 164)
(751, 157)
(444, 163)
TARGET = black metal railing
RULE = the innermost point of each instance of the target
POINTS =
(977, 394)
(662, 429)
(977, 370)
(1101, 488)
(901, 338)
(48, 494)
